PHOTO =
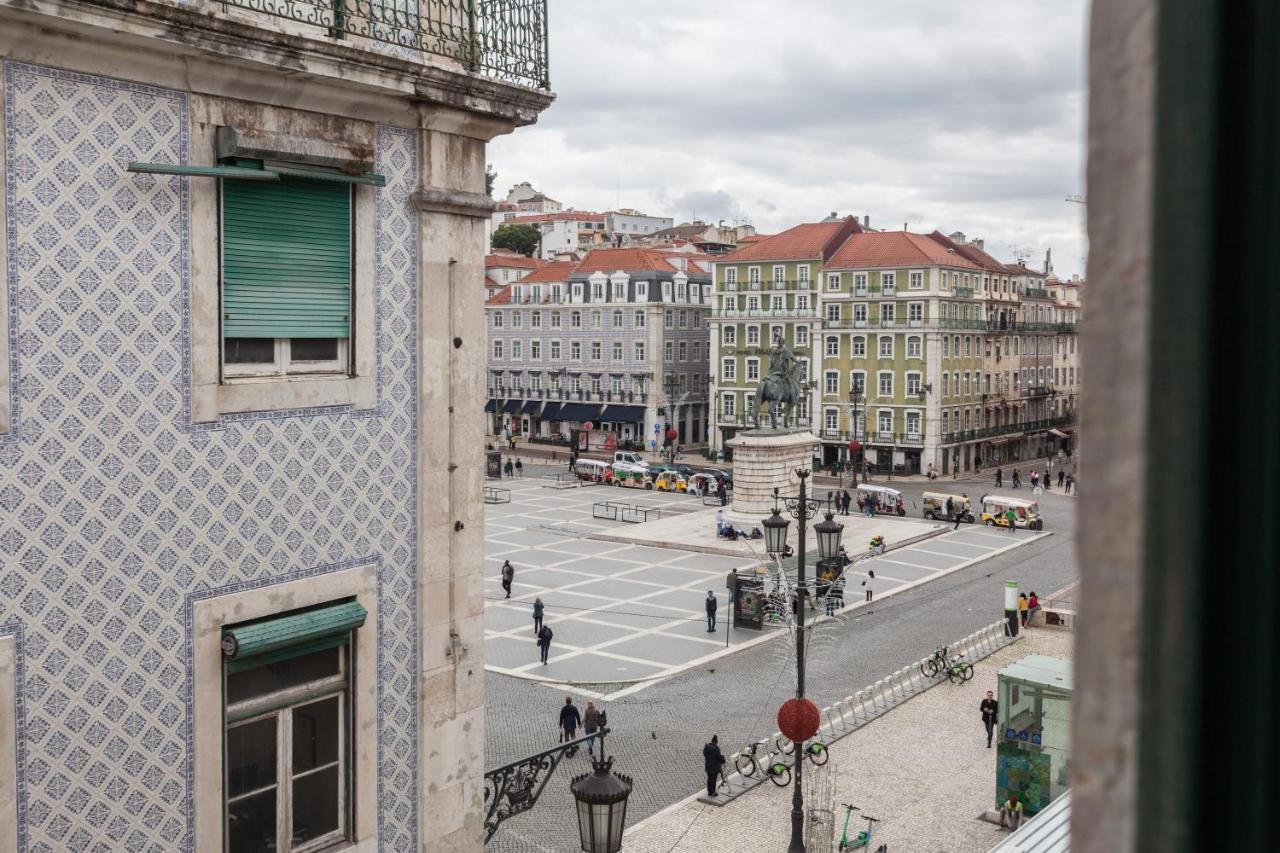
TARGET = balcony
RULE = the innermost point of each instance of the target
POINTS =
(1005, 429)
(1036, 293)
(500, 39)
(764, 314)
(747, 421)
(882, 437)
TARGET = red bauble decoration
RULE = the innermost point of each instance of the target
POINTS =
(587, 426)
(671, 435)
(855, 446)
(798, 719)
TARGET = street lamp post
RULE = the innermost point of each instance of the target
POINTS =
(669, 384)
(803, 509)
(855, 396)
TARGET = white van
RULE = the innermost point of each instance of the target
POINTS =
(627, 460)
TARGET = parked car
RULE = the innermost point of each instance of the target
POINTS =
(626, 460)
(722, 474)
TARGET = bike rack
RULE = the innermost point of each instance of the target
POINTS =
(852, 712)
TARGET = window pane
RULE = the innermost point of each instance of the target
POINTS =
(250, 350)
(313, 349)
(251, 824)
(315, 734)
(271, 677)
(315, 805)
(251, 756)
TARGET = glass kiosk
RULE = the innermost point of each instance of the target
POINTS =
(1033, 756)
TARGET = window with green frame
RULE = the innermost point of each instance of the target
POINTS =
(287, 273)
(287, 686)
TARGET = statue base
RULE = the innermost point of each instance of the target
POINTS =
(765, 459)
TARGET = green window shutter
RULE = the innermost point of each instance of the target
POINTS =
(271, 640)
(286, 259)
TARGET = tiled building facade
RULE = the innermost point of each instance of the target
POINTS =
(164, 500)
(902, 337)
(618, 340)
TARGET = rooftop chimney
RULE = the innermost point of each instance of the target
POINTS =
(866, 221)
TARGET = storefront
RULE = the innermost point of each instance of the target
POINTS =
(625, 424)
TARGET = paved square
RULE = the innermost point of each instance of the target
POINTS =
(625, 612)
(620, 613)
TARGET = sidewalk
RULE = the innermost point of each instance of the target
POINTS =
(923, 769)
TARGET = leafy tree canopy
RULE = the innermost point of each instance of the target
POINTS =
(518, 238)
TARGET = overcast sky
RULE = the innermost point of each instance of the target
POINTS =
(964, 116)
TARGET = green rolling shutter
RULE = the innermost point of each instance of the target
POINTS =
(251, 645)
(286, 259)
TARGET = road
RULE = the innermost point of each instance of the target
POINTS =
(659, 731)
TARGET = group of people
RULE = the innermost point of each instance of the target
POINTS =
(1027, 607)
(513, 469)
(592, 720)
(1066, 480)
(725, 529)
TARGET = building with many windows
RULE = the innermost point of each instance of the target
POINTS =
(617, 339)
(239, 240)
(908, 342)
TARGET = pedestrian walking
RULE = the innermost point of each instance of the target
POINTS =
(513, 442)
(711, 605)
(591, 724)
(508, 575)
(871, 575)
(719, 522)
(1048, 478)
(837, 591)
(989, 707)
(537, 616)
(846, 501)
(1017, 483)
(519, 467)
(999, 478)
(1022, 609)
(1071, 481)
(866, 471)
(1012, 518)
(1061, 475)
(570, 719)
(1035, 477)
(509, 469)
(951, 509)
(959, 513)
(713, 763)
(721, 492)
(544, 642)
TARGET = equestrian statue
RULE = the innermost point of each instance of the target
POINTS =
(783, 384)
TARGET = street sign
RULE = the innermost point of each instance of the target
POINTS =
(657, 428)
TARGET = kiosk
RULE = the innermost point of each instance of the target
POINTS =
(1033, 756)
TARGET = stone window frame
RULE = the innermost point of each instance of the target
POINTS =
(208, 616)
(212, 394)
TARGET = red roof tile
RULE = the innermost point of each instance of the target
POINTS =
(810, 240)
(554, 271)
(627, 260)
(502, 297)
(871, 249)
(973, 253)
(512, 261)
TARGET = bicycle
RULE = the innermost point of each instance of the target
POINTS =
(777, 772)
(814, 750)
(959, 670)
(933, 665)
(863, 838)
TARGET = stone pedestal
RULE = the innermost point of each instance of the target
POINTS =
(765, 459)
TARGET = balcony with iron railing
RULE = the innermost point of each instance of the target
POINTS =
(764, 314)
(1005, 429)
(1035, 293)
(744, 421)
(904, 323)
(904, 439)
(503, 40)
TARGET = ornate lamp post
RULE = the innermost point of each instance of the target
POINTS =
(602, 805)
(803, 509)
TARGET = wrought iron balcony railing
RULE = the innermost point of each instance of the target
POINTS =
(501, 39)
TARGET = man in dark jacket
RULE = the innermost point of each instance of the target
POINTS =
(570, 719)
(544, 642)
(989, 708)
(711, 605)
(713, 761)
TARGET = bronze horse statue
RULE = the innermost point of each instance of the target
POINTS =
(781, 384)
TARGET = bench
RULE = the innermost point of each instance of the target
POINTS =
(630, 513)
(494, 495)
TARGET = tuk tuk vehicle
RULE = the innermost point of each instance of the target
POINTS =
(593, 471)
(935, 507)
(886, 501)
(633, 479)
(1026, 512)
(701, 484)
(670, 481)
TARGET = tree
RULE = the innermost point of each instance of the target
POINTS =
(490, 177)
(518, 238)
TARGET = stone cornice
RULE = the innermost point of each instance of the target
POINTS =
(456, 202)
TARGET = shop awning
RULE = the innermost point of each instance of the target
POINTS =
(491, 406)
(623, 414)
(994, 441)
(551, 412)
(1059, 433)
(511, 407)
(531, 407)
(578, 412)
